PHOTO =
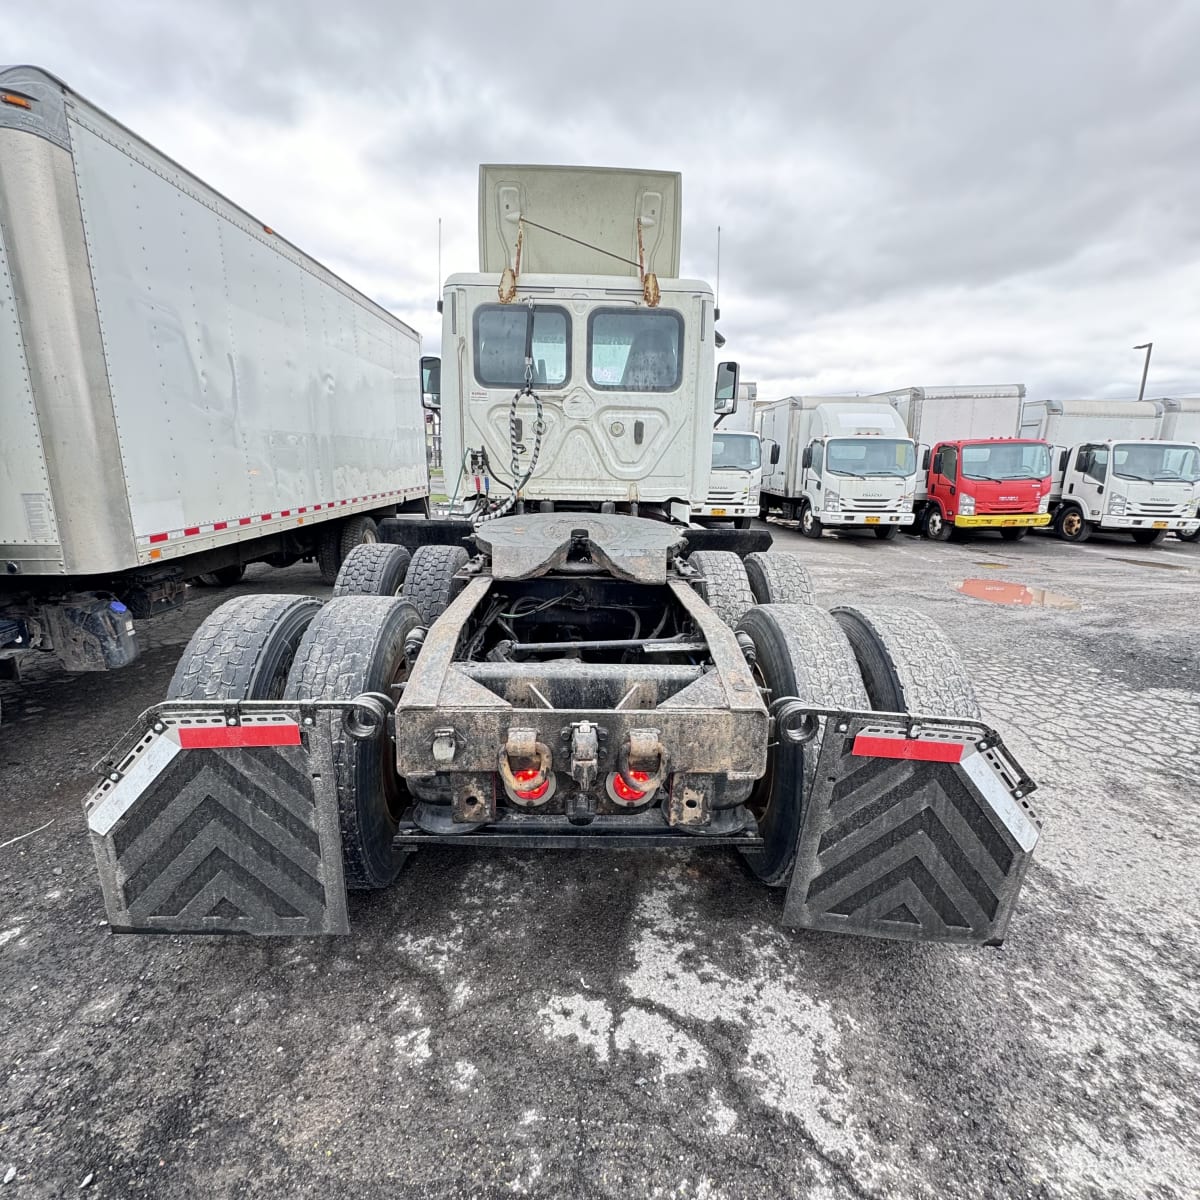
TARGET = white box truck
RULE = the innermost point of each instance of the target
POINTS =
(182, 391)
(977, 472)
(839, 462)
(1112, 471)
(736, 479)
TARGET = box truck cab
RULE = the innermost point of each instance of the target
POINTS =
(578, 371)
(1113, 473)
(1180, 422)
(736, 478)
(976, 473)
(838, 462)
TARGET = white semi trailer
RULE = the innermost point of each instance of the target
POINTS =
(1112, 471)
(839, 462)
(182, 391)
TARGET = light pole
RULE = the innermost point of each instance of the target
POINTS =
(1147, 346)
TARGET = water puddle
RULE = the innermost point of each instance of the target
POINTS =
(1017, 595)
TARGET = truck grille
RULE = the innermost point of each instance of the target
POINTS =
(719, 494)
(1157, 508)
(861, 505)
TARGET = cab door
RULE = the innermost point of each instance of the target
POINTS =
(1088, 479)
(943, 477)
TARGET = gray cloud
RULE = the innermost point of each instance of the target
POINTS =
(919, 192)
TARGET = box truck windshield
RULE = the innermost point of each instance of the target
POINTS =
(999, 461)
(736, 452)
(867, 459)
(1156, 463)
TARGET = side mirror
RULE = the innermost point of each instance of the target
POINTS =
(925, 460)
(727, 388)
(806, 458)
(774, 453)
(431, 382)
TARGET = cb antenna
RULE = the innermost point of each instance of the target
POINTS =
(717, 305)
(438, 282)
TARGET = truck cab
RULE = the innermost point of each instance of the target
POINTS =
(986, 484)
(736, 479)
(1143, 488)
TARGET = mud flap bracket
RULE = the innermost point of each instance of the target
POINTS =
(917, 829)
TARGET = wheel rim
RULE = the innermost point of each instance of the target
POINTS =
(806, 520)
(758, 803)
(369, 537)
(1072, 524)
(934, 524)
(394, 793)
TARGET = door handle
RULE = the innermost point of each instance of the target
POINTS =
(1071, 488)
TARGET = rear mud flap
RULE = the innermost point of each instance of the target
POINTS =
(218, 824)
(916, 831)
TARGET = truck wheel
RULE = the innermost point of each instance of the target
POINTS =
(801, 652)
(1014, 534)
(1188, 537)
(885, 533)
(907, 662)
(243, 650)
(723, 584)
(936, 527)
(338, 539)
(372, 570)
(1070, 525)
(810, 523)
(778, 579)
(1147, 537)
(430, 583)
(356, 644)
(222, 577)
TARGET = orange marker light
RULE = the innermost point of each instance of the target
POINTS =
(19, 101)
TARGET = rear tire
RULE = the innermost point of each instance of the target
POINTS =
(1014, 534)
(222, 577)
(885, 533)
(243, 650)
(1070, 524)
(801, 652)
(810, 523)
(907, 662)
(723, 584)
(935, 526)
(1147, 537)
(356, 645)
(778, 579)
(430, 583)
(338, 539)
(373, 570)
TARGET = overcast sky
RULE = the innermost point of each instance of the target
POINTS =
(910, 192)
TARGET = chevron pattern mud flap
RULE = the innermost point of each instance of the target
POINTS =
(916, 832)
(203, 828)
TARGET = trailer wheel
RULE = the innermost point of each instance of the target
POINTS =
(338, 539)
(243, 650)
(1147, 537)
(355, 645)
(802, 652)
(907, 662)
(885, 533)
(936, 527)
(778, 579)
(723, 584)
(810, 523)
(1071, 525)
(372, 570)
(222, 577)
(430, 583)
(1012, 534)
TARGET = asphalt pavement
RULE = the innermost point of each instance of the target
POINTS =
(639, 1025)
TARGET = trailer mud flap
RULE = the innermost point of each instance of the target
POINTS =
(208, 826)
(920, 832)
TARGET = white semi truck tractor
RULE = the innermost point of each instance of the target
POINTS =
(575, 667)
(736, 480)
(838, 462)
(1111, 470)
(182, 391)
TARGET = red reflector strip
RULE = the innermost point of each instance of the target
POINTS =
(219, 525)
(195, 529)
(158, 537)
(916, 748)
(225, 737)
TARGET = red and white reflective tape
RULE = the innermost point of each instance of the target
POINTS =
(228, 737)
(191, 531)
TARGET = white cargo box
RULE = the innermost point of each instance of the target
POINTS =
(1072, 422)
(950, 414)
(597, 205)
(1180, 419)
(174, 376)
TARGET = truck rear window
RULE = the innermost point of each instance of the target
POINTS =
(635, 349)
(500, 345)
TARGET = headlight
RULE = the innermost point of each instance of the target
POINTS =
(833, 502)
(966, 506)
(906, 503)
(1044, 503)
(1196, 508)
(1116, 504)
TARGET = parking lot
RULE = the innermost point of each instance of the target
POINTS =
(563, 1024)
